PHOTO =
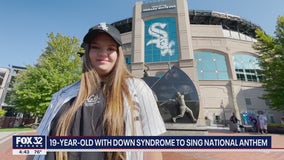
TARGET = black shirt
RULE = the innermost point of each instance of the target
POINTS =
(87, 121)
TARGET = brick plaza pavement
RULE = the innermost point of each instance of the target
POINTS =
(277, 142)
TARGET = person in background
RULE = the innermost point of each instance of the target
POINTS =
(107, 101)
(262, 123)
(234, 123)
(254, 122)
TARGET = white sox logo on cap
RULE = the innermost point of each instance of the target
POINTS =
(103, 26)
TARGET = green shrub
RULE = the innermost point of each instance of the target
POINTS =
(275, 128)
(275, 125)
(2, 112)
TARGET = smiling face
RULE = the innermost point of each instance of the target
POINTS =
(103, 54)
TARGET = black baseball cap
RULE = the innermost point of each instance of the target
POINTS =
(103, 27)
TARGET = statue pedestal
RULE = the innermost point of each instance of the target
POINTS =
(185, 129)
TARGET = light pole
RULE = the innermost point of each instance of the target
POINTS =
(223, 108)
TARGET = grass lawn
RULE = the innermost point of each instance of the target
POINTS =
(17, 129)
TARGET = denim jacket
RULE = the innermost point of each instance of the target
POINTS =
(148, 121)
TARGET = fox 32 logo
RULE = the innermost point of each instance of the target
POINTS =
(28, 142)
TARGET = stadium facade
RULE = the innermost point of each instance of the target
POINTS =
(214, 49)
(7, 77)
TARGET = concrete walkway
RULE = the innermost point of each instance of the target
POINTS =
(277, 142)
(6, 145)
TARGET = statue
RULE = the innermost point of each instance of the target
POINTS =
(166, 88)
(182, 107)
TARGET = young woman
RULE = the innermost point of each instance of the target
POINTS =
(107, 101)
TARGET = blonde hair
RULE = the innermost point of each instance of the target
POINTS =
(114, 90)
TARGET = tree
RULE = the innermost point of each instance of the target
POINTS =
(272, 63)
(58, 66)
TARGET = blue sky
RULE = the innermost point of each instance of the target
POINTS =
(24, 24)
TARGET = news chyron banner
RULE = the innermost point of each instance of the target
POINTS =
(40, 145)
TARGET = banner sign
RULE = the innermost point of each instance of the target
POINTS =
(134, 143)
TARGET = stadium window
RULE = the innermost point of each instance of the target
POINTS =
(247, 68)
(217, 118)
(248, 101)
(211, 66)
(128, 60)
(1, 79)
(241, 77)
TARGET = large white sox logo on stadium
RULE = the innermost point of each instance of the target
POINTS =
(162, 38)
